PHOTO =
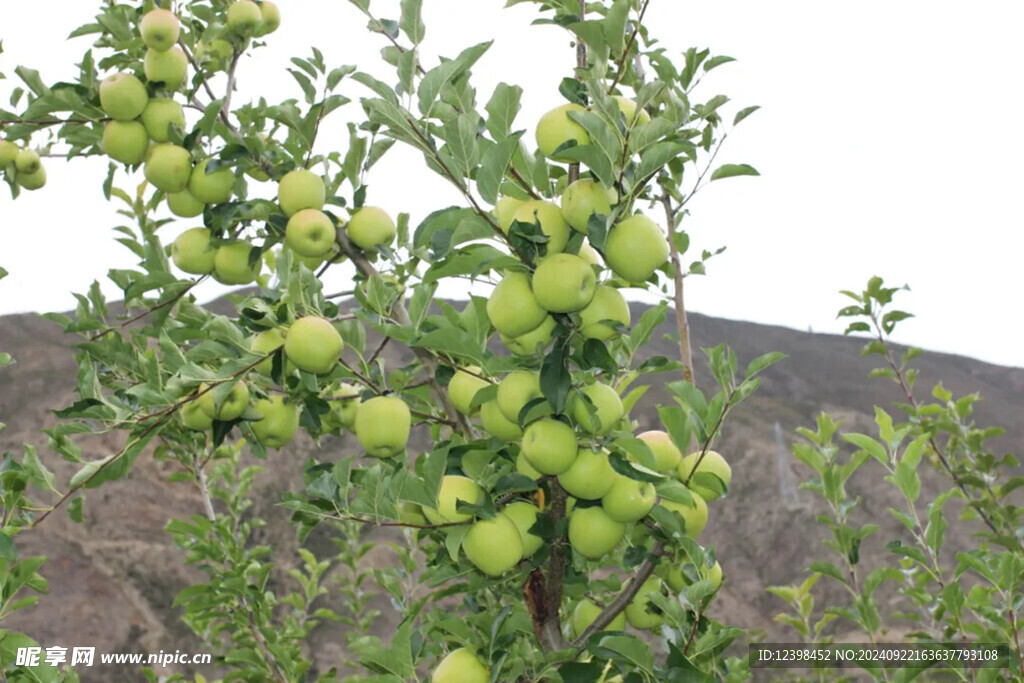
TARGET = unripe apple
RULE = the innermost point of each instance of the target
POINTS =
(27, 161)
(629, 500)
(215, 187)
(33, 181)
(584, 198)
(371, 227)
(640, 612)
(512, 307)
(629, 110)
(244, 17)
(677, 579)
(583, 616)
(310, 233)
(279, 424)
(494, 546)
(169, 68)
(194, 418)
(214, 55)
(592, 533)
(607, 304)
(411, 513)
(8, 153)
(563, 283)
(231, 407)
(265, 343)
(159, 115)
(711, 464)
(515, 390)
(125, 141)
(549, 445)
(463, 387)
(183, 204)
(524, 516)
(301, 189)
(591, 475)
(160, 29)
(231, 264)
(591, 255)
(635, 248)
(270, 18)
(556, 128)
(505, 211)
(453, 489)
(695, 515)
(524, 467)
(666, 455)
(313, 345)
(461, 666)
(497, 425)
(123, 97)
(345, 402)
(382, 425)
(193, 253)
(549, 217)
(168, 167)
(534, 341)
(606, 404)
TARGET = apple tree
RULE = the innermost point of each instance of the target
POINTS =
(546, 538)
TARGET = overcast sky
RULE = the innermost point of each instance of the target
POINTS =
(890, 143)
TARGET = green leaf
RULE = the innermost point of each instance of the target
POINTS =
(555, 380)
(733, 170)
(411, 22)
(502, 110)
(494, 165)
(744, 113)
(444, 73)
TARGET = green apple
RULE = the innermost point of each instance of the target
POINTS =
(160, 29)
(168, 167)
(310, 233)
(563, 283)
(270, 18)
(494, 546)
(123, 97)
(266, 343)
(231, 407)
(515, 390)
(677, 579)
(548, 216)
(505, 211)
(183, 204)
(592, 533)
(556, 128)
(524, 516)
(629, 110)
(666, 455)
(125, 141)
(636, 248)
(193, 253)
(453, 489)
(640, 613)
(591, 255)
(27, 161)
(461, 666)
(524, 467)
(33, 181)
(169, 68)
(695, 515)
(550, 446)
(382, 425)
(584, 614)
(279, 424)
(591, 475)
(8, 153)
(608, 304)
(512, 307)
(711, 464)
(213, 187)
(159, 115)
(497, 425)
(345, 402)
(463, 387)
(244, 17)
(194, 418)
(214, 55)
(371, 227)
(314, 345)
(534, 341)
(301, 189)
(629, 500)
(411, 513)
(584, 198)
(606, 404)
(231, 264)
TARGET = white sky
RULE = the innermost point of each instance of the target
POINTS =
(889, 143)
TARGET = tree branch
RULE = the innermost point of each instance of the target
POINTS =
(685, 349)
(629, 46)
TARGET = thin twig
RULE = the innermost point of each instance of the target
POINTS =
(629, 46)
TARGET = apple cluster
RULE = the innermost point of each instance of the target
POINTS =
(22, 165)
